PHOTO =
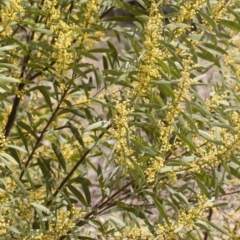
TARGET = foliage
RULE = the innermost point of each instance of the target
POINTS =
(105, 131)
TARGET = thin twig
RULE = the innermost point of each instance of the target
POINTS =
(39, 139)
(98, 207)
(65, 180)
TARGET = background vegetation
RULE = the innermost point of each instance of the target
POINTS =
(119, 120)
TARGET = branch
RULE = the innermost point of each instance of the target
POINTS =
(210, 211)
(42, 134)
(98, 207)
(65, 180)
(12, 116)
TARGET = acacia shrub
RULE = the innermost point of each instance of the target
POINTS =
(127, 148)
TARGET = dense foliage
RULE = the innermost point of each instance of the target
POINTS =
(119, 120)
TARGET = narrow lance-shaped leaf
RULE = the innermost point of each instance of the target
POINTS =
(59, 156)
(76, 134)
(230, 24)
(78, 195)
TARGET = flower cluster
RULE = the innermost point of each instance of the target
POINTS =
(147, 66)
(155, 164)
(189, 10)
(210, 154)
(53, 12)
(65, 35)
(185, 221)
(20, 212)
(122, 132)
(62, 224)
(219, 9)
(231, 60)
(3, 225)
(3, 142)
(37, 195)
(91, 18)
(91, 12)
(64, 221)
(9, 16)
(24, 211)
(20, 93)
(214, 102)
(175, 108)
(137, 233)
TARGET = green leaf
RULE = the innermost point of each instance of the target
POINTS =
(21, 149)
(222, 125)
(230, 24)
(78, 71)
(14, 230)
(113, 49)
(235, 14)
(86, 191)
(167, 91)
(19, 43)
(164, 66)
(192, 50)
(209, 20)
(7, 65)
(76, 134)
(215, 183)
(4, 79)
(101, 50)
(234, 169)
(188, 142)
(14, 154)
(218, 227)
(86, 238)
(209, 7)
(77, 112)
(202, 224)
(19, 183)
(78, 195)
(203, 188)
(27, 128)
(181, 197)
(177, 25)
(161, 209)
(190, 121)
(43, 30)
(206, 55)
(97, 125)
(82, 181)
(6, 164)
(142, 18)
(207, 136)
(45, 92)
(98, 77)
(87, 55)
(220, 204)
(215, 48)
(138, 171)
(9, 158)
(59, 156)
(42, 163)
(9, 47)
(105, 63)
(24, 139)
(41, 208)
